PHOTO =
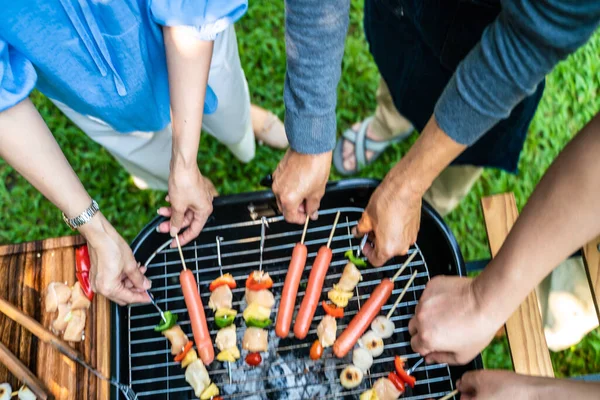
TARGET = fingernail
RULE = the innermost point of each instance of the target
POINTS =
(158, 211)
(157, 228)
(173, 232)
(147, 284)
(458, 384)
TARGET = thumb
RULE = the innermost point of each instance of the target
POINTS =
(469, 383)
(365, 225)
(177, 216)
(137, 277)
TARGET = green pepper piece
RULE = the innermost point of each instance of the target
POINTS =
(224, 321)
(168, 323)
(359, 262)
(257, 323)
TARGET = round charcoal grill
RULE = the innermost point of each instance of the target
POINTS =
(142, 357)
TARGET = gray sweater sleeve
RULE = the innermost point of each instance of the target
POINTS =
(516, 51)
(315, 32)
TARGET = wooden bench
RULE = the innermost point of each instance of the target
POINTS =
(524, 328)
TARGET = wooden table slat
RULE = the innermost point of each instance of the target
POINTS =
(524, 328)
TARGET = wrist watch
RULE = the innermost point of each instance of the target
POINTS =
(82, 218)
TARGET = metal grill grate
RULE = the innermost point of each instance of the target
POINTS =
(286, 371)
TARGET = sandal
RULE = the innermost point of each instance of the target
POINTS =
(361, 144)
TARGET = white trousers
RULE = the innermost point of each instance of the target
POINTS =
(146, 155)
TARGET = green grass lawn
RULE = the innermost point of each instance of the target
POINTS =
(571, 98)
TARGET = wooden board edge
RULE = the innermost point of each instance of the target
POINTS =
(524, 329)
(591, 256)
(39, 245)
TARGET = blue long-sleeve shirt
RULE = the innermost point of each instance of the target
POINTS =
(105, 59)
(516, 51)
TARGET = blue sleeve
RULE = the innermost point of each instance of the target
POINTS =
(516, 51)
(209, 17)
(315, 31)
(17, 76)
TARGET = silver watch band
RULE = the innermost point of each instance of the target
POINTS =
(82, 218)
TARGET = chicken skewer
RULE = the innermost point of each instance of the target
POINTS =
(224, 341)
(260, 302)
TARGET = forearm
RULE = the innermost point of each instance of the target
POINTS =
(549, 388)
(433, 151)
(29, 147)
(188, 62)
(315, 31)
(562, 214)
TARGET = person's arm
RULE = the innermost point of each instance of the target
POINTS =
(562, 214)
(516, 51)
(28, 146)
(492, 385)
(189, 29)
(315, 31)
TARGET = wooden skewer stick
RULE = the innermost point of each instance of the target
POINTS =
(337, 217)
(450, 395)
(403, 267)
(180, 251)
(19, 370)
(304, 231)
(410, 281)
(218, 240)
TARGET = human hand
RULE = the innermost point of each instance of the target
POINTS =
(299, 184)
(191, 196)
(114, 272)
(496, 385)
(452, 337)
(392, 219)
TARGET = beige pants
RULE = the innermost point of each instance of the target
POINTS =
(146, 155)
(453, 184)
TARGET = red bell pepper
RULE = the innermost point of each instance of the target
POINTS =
(226, 279)
(333, 310)
(188, 346)
(82, 270)
(408, 379)
(395, 379)
(258, 281)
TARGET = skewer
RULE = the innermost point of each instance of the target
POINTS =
(218, 240)
(410, 281)
(362, 244)
(304, 231)
(337, 217)
(180, 252)
(160, 311)
(264, 223)
(450, 395)
(414, 367)
(403, 267)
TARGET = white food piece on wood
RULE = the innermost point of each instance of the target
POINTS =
(5, 391)
(75, 326)
(386, 390)
(78, 299)
(362, 359)
(262, 297)
(197, 377)
(350, 277)
(60, 323)
(372, 342)
(255, 340)
(383, 327)
(56, 293)
(226, 338)
(177, 338)
(26, 394)
(351, 377)
(326, 331)
(221, 297)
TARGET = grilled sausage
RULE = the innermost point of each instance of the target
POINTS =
(290, 290)
(361, 321)
(197, 317)
(313, 292)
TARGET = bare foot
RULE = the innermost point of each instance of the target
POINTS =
(268, 128)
